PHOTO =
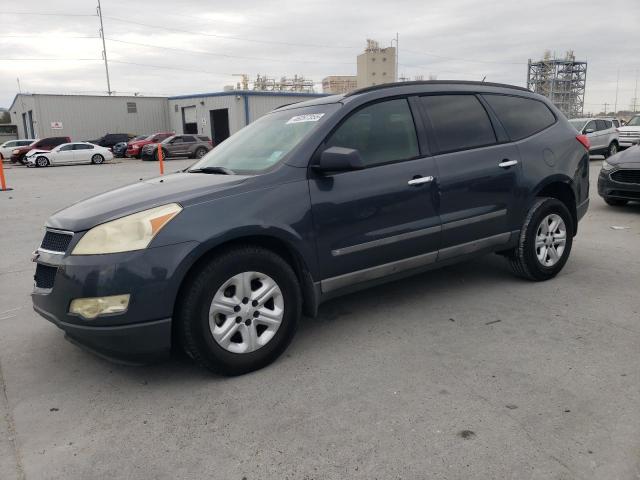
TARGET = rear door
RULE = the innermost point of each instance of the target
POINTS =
(478, 177)
(83, 152)
(377, 221)
(189, 143)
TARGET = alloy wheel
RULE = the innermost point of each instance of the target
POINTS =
(551, 238)
(246, 312)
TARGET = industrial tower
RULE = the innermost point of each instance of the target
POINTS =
(561, 81)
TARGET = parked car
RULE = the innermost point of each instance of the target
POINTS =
(119, 149)
(7, 148)
(630, 132)
(192, 146)
(619, 179)
(77, 152)
(45, 144)
(314, 200)
(602, 134)
(134, 148)
(110, 139)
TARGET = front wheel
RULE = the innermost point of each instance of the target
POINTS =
(545, 241)
(239, 311)
(615, 202)
(199, 153)
(42, 162)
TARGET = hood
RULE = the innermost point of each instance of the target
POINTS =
(37, 150)
(139, 143)
(628, 128)
(627, 158)
(183, 188)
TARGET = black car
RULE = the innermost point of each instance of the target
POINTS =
(119, 149)
(619, 179)
(311, 201)
(110, 139)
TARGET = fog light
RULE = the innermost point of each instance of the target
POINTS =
(90, 308)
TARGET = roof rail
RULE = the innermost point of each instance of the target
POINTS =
(433, 82)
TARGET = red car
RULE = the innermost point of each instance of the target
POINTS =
(134, 148)
(43, 144)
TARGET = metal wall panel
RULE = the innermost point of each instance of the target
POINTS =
(86, 117)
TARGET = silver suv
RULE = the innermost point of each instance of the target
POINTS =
(192, 146)
(601, 132)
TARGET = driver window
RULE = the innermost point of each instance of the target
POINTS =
(591, 125)
(383, 132)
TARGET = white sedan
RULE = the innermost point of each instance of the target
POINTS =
(68, 153)
(7, 147)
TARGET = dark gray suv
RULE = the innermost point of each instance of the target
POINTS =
(311, 201)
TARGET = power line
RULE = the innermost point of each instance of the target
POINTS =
(227, 37)
(51, 14)
(214, 54)
(48, 36)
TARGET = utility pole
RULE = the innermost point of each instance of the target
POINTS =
(615, 108)
(396, 40)
(104, 49)
(605, 107)
(635, 94)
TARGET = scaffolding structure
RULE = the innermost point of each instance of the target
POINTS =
(562, 81)
(297, 83)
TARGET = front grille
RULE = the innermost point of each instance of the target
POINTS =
(623, 194)
(56, 241)
(629, 134)
(626, 176)
(45, 276)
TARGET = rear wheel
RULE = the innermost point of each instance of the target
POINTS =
(545, 241)
(239, 311)
(615, 202)
(200, 152)
(42, 161)
(611, 150)
(97, 159)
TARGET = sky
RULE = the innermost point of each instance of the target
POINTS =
(171, 48)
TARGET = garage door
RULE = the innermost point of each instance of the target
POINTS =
(189, 120)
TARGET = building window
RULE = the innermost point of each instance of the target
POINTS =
(132, 107)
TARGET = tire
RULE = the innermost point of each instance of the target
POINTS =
(215, 279)
(42, 161)
(199, 153)
(615, 202)
(97, 159)
(524, 260)
(612, 149)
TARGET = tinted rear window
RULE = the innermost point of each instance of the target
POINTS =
(521, 117)
(459, 122)
(204, 139)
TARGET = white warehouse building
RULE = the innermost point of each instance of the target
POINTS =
(88, 117)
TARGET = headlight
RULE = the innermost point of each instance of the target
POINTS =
(133, 232)
(606, 166)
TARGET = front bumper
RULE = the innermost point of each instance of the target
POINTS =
(609, 188)
(628, 141)
(152, 277)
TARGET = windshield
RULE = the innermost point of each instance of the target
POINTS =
(634, 122)
(577, 124)
(265, 142)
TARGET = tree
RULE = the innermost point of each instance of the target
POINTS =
(5, 117)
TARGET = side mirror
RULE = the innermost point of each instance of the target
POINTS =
(339, 159)
(589, 130)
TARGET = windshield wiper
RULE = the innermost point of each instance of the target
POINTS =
(218, 170)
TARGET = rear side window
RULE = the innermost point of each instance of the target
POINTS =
(383, 132)
(459, 122)
(82, 146)
(204, 139)
(521, 117)
(188, 139)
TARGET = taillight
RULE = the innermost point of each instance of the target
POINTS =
(584, 141)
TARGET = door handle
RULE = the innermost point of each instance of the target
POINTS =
(420, 180)
(508, 163)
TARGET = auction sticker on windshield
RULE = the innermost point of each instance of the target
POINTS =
(310, 117)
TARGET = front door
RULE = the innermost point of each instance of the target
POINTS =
(381, 220)
(219, 125)
(477, 177)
